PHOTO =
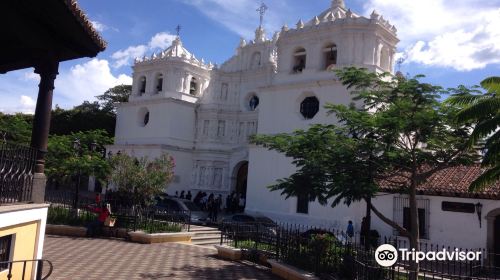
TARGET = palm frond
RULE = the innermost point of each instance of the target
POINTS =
(487, 179)
(492, 84)
(482, 109)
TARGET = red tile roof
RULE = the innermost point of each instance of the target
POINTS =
(86, 23)
(452, 182)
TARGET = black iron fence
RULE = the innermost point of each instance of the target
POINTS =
(21, 270)
(127, 216)
(16, 173)
(331, 252)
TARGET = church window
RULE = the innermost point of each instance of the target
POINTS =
(142, 85)
(253, 103)
(241, 130)
(385, 59)
(309, 107)
(159, 83)
(193, 86)
(330, 56)
(256, 60)
(221, 128)
(250, 128)
(303, 203)
(201, 177)
(217, 180)
(206, 124)
(143, 117)
(299, 60)
(146, 119)
(223, 91)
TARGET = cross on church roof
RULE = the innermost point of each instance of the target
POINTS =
(262, 10)
(178, 30)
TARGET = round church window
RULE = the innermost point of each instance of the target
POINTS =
(309, 107)
(253, 103)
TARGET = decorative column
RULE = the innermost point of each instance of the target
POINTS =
(47, 68)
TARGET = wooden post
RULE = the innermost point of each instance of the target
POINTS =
(47, 68)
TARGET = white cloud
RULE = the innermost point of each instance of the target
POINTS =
(241, 16)
(123, 57)
(27, 104)
(462, 35)
(160, 40)
(30, 76)
(99, 26)
(85, 81)
(81, 82)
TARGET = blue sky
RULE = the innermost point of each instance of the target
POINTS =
(452, 42)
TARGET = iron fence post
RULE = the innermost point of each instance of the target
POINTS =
(39, 270)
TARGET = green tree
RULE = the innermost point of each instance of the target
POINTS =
(483, 110)
(63, 161)
(15, 128)
(142, 179)
(112, 96)
(395, 133)
(87, 116)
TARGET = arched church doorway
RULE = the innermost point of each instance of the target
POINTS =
(493, 235)
(241, 178)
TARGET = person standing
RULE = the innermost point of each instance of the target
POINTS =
(182, 195)
(189, 195)
(229, 198)
(241, 204)
(217, 204)
(350, 232)
(96, 226)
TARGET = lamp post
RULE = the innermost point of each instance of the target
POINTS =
(479, 209)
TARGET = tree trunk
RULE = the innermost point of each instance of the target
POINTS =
(368, 218)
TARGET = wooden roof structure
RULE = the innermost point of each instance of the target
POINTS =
(31, 29)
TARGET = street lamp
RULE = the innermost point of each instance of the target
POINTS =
(77, 146)
(479, 210)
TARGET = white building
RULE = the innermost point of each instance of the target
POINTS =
(202, 114)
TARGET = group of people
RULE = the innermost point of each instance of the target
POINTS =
(214, 204)
(235, 203)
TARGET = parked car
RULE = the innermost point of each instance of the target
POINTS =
(245, 226)
(179, 210)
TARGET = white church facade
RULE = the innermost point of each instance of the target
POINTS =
(202, 114)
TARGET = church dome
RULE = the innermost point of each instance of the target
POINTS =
(178, 52)
(176, 49)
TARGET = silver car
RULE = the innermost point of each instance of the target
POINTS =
(181, 207)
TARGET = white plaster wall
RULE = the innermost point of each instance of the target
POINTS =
(169, 123)
(38, 215)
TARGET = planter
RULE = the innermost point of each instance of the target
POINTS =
(66, 230)
(228, 253)
(289, 272)
(147, 238)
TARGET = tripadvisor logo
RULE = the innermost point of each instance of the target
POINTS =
(387, 255)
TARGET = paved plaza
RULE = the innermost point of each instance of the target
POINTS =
(84, 258)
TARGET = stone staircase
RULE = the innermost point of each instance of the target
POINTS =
(205, 236)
